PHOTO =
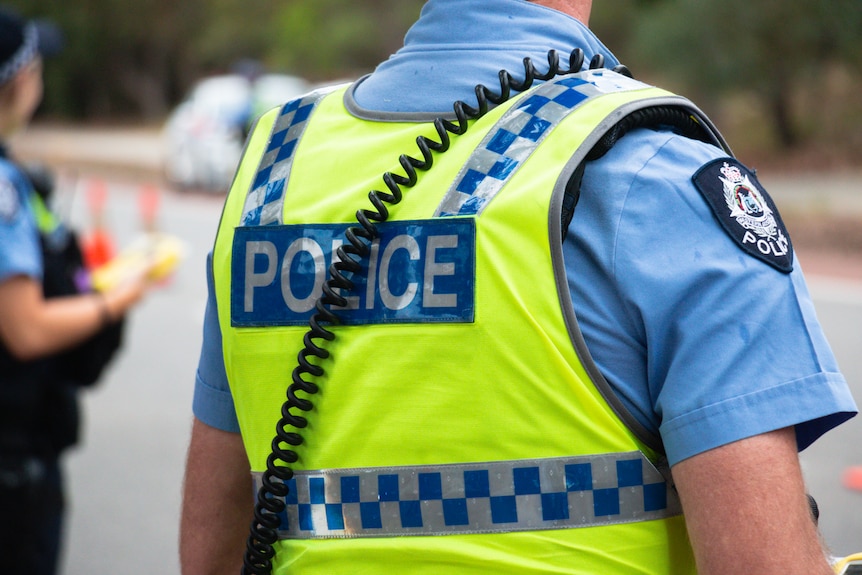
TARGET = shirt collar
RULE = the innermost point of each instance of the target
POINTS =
(457, 44)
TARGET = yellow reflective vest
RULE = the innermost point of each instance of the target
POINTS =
(460, 425)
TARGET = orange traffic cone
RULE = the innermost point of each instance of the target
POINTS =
(98, 245)
(853, 478)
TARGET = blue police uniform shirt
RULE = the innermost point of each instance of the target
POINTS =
(664, 296)
(20, 251)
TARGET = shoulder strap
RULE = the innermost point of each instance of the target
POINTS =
(683, 120)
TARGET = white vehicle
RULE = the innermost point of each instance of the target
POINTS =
(205, 134)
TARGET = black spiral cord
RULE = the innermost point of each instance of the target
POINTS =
(270, 498)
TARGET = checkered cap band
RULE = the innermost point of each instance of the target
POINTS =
(28, 50)
(519, 132)
(496, 497)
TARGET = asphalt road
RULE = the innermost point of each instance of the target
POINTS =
(125, 477)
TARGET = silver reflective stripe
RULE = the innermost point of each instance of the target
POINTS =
(264, 203)
(519, 132)
(495, 497)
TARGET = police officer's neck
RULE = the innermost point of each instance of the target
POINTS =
(578, 9)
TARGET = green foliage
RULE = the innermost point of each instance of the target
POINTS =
(139, 58)
(774, 49)
(331, 38)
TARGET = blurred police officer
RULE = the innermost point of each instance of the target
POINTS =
(55, 335)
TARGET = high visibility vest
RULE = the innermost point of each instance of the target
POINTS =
(460, 425)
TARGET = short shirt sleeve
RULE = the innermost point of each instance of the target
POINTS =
(213, 402)
(20, 252)
(703, 342)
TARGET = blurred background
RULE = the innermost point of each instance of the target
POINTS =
(781, 78)
(787, 73)
(157, 96)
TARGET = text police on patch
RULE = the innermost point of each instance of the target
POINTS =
(418, 271)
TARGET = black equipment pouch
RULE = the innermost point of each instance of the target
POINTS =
(64, 275)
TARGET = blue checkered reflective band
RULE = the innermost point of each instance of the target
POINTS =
(265, 201)
(519, 132)
(496, 497)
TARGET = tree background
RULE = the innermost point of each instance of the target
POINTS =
(778, 77)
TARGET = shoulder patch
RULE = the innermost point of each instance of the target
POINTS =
(8, 200)
(745, 211)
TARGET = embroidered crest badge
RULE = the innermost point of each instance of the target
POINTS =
(745, 211)
(8, 200)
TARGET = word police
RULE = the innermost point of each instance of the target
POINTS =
(778, 246)
(418, 271)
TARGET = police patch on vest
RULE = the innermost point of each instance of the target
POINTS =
(8, 200)
(418, 271)
(746, 211)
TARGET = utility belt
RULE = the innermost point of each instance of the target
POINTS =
(31, 494)
(19, 472)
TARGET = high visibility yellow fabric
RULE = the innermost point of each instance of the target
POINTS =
(46, 221)
(508, 386)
